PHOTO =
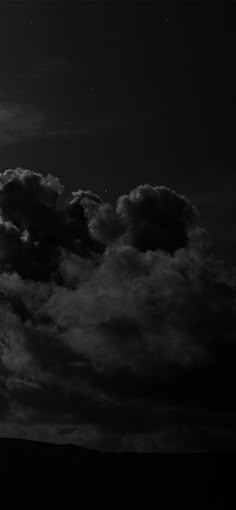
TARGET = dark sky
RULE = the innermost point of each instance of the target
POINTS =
(112, 95)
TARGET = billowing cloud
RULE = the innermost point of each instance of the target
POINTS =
(150, 218)
(117, 324)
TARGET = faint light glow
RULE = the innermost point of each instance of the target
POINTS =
(25, 236)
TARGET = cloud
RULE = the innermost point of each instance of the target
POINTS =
(20, 122)
(117, 324)
(149, 218)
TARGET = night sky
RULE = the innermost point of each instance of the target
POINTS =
(113, 308)
(109, 96)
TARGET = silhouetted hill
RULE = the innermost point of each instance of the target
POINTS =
(37, 475)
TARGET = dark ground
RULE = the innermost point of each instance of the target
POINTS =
(39, 475)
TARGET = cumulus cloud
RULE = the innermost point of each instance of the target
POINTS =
(149, 218)
(117, 324)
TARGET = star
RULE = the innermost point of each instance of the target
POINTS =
(91, 90)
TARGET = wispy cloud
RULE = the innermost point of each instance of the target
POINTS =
(96, 126)
(18, 122)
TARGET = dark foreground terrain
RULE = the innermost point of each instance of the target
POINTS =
(39, 475)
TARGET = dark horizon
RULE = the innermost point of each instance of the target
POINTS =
(50, 476)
